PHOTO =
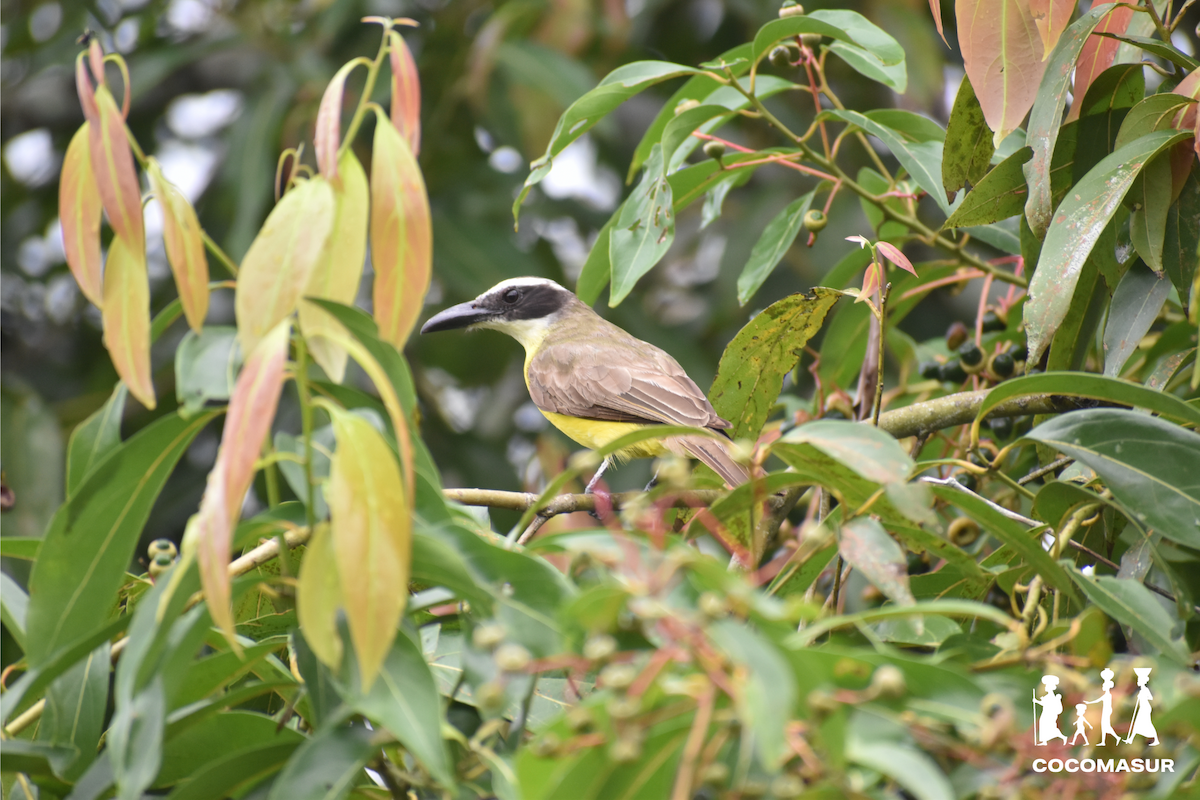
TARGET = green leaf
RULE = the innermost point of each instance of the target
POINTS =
(752, 367)
(969, 147)
(1081, 384)
(867, 64)
(219, 736)
(1025, 541)
(33, 758)
(1182, 240)
(644, 230)
(865, 449)
(922, 158)
(768, 697)
(1151, 199)
(404, 699)
(1130, 603)
(873, 53)
(1159, 48)
(92, 537)
(95, 438)
(135, 740)
(14, 603)
(789, 27)
(946, 608)
(1078, 223)
(1150, 465)
(24, 548)
(617, 87)
(1154, 113)
(868, 548)
(697, 88)
(771, 246)
(597, 270)
(208, 675)
(76, 703)
(1045, 119)
(910, 768)
(234, 773)
(1135, 305)
(326, 766)
(206, 366)
(1000, 195)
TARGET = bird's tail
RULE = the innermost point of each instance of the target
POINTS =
(714, 453)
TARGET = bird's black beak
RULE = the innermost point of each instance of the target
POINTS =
(459, 316)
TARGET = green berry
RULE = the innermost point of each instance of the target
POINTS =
(618, 676)
(488, 636)
(512, 657)
(791, 9)
(162, 546)
(815, 220)
(599, 646)
(714, 149)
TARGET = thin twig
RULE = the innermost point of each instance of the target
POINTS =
(878, 404)
(1046, 470)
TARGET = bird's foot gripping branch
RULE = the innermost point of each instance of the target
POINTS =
(923, 526)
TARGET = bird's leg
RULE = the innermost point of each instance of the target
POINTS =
(603, 466)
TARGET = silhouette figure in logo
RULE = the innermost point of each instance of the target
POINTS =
(1080, 722)
(1105, 701)
(1142, 725)
(1052, 706)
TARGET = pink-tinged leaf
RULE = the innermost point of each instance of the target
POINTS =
(871, 282)
(126, 316)
(339, 270)
(935, 8)
(1098, 54)
(281, 259)
(96, 61)
(251, 412)
(319, 596)
(112, 163)
(328, 136)
(1051, 18)
(85, 90)
(406, 92)
(372, 537)
(79, 209)
(212, 528)
(1188, 118)
(893, 254)
(185, 246)
(401, 235)
(1002, 52)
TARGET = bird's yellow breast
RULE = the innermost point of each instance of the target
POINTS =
(594, 434)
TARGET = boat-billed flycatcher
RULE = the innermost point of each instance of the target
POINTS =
(592, 380)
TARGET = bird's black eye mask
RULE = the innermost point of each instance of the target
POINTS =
(525, 302)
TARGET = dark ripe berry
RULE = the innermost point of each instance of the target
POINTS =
(1020, 353)
(780, 57)
(833, 413)
(714, 149)
(952, 372)
(956, 334)
(1002, 427)
(967, 479)
(1002, 365)
(930, 370)
(815, 220)
(971, 356)
(993, 322)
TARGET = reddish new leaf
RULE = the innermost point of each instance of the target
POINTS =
(372, 537)
(212, 528)
(185, 247)
(126, 316)
(406, 91)
(339, 270)
(1051, 18)
(1002, 52)
(935, 8)
(1098, 53)
(401, 235)
(328, 136)
(79, 209)
(85, 90)
(893, 254)
(281, 259)
(1188, 118)
(112, 164)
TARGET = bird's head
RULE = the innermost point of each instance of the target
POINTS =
(524, 308)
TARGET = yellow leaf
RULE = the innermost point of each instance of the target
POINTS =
(319, 596)
(339, 269)
(281, 259)
(79, 209)
(372, 537)
(401, 236)
(328, 135)
(184, 245)
(212, 529)
(112, 164)
(126, 316)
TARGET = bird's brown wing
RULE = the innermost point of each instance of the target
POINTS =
(618, 381)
